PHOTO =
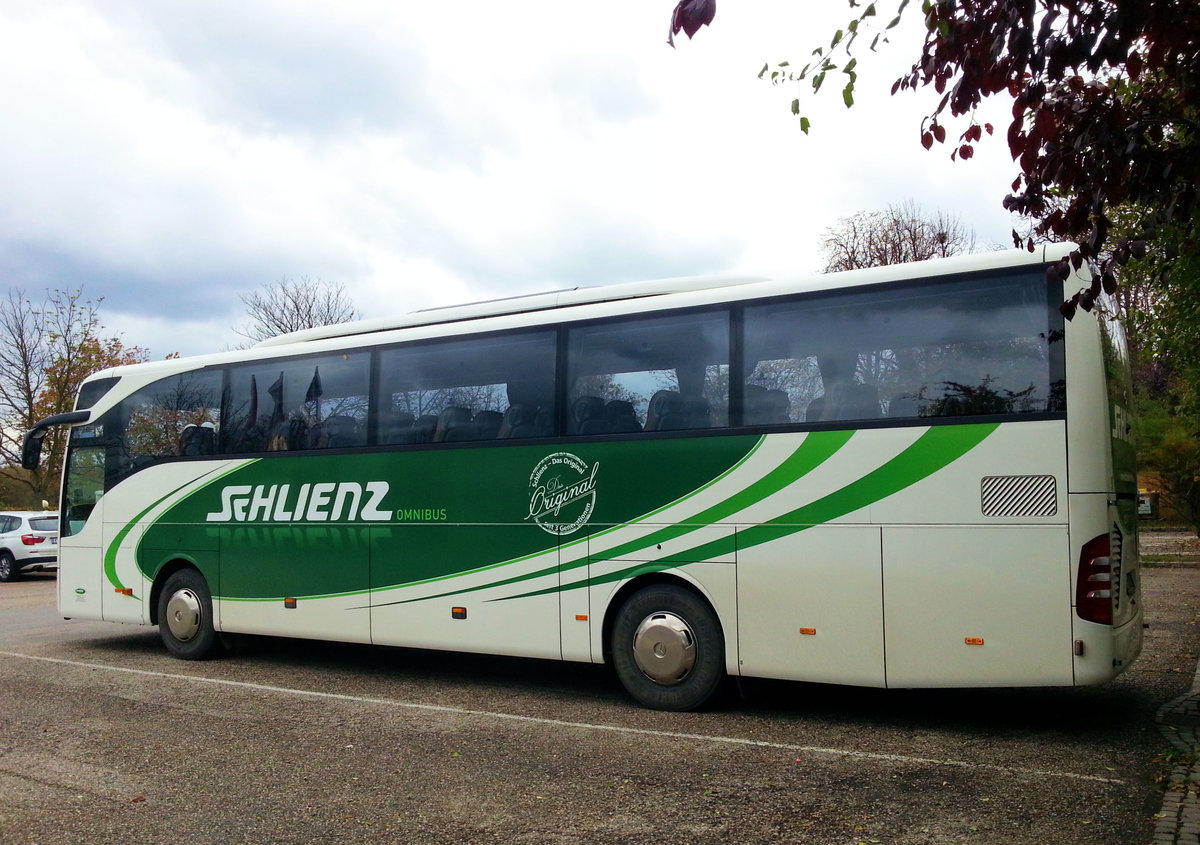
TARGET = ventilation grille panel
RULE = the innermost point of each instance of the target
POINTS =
(1019, 495)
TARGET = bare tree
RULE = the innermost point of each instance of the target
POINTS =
(290, 305)
(900, 234)
(50, 348)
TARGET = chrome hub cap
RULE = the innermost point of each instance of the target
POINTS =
(664, 648)
(184, 615)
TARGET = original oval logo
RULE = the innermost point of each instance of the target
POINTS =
(562, 493)
(79, 591)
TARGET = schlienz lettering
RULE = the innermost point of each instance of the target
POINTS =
(322, 502)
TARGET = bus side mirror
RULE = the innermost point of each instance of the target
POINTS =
(31, 448)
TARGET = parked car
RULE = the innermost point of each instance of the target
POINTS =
(28, 543)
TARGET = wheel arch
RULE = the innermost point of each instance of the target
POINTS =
(166, 571)
(639, 582)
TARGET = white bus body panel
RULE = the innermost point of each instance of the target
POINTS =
(895, 583)
(81, 572)
(811, 607)
(977, 606)
(422, 615)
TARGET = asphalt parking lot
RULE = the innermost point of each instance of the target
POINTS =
(104, 738)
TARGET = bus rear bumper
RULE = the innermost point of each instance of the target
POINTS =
(1103, 651)
(1127, 644)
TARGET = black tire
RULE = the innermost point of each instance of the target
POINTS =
(678, 639)
(185, 617)
(8, 567)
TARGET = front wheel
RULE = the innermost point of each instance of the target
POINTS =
(185, 616)
(668, 649)
(8, 567)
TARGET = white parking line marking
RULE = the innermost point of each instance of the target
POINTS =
(587, 726)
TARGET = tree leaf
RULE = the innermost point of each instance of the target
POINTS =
(690, 15)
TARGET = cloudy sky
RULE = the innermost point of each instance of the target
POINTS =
(170, 156)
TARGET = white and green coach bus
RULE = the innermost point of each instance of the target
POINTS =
(909, 476)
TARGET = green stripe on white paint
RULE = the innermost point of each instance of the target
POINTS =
(110, 555)
(815, 450)
(934, 450)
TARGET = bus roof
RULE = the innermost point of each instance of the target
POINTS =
(513, 305)
(552, 300)
(591, 301)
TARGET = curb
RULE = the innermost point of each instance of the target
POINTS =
(1179, 722)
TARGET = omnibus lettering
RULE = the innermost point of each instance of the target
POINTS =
(421, 514)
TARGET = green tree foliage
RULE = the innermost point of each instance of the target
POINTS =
(50, 347)
(1169, 449)
(1161, 313)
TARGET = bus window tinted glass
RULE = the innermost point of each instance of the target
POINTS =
(484, 388)
(318, 402)
(176, 417)
(969, 347)
(655, 374)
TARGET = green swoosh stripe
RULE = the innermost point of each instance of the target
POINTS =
(935, 449)
(110, 554)
(574, 543)
(816, 448)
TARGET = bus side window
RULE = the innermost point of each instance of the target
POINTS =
(174, 417)
(484, 388)
(968, 348)
(649, 374)
(317, 402)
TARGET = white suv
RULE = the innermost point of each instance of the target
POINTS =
(28, 543)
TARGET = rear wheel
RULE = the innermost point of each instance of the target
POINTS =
(668, 648)
(8, 567)
(185, 616)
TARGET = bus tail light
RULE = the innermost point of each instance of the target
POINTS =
(1093, 585)
(32, 539)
